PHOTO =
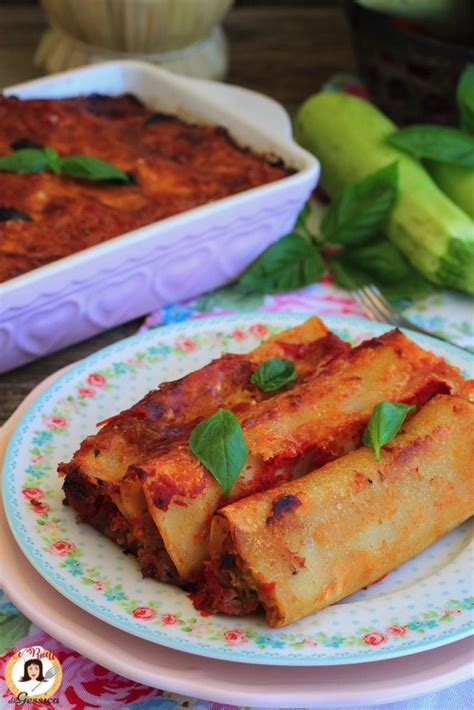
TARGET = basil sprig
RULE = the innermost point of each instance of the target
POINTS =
(439, 143)
(359, 211)
(218, 442)
(84, 167)
(354, 220)
(87, 167)
(290, 263)
(385, 423)
(465, 99)
(354, 217)
(346, 275)
(273, 374)
(26, 160)
(380, 263)
(382, 260)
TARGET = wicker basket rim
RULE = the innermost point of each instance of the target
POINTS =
(387, 30)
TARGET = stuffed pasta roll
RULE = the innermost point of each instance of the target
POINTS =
(287, 436)
(308, 543)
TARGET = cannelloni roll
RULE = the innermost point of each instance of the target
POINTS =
(308, 543)
(94, 475)
(288, 435)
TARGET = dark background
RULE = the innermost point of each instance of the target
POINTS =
(237, 3)
(307, 3)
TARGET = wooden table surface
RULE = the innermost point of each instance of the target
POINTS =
(285, 52)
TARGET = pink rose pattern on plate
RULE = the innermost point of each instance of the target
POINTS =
(33, 493)
(144, 612)
(61, 548)
(96, 380)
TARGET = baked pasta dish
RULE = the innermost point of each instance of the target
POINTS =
(344, 462)
(168, 166)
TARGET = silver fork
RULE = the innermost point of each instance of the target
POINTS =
(378, 308)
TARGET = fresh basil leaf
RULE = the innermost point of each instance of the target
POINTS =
(87, 167)
(359, 211)
(54, 161)
(218, 442)
(232, 298)
(351, 276)
(384, 424)
(381, 260)
(346, 275)
(27, 160)
(412, 287)
(273, 374)
(440, 143)
(288, 264)
(465, 99)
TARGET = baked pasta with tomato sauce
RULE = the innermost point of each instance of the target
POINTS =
(287, 435)
(97, 483)
(173, 166)
(309, 543)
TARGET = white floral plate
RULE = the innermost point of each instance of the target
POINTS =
(422, 605)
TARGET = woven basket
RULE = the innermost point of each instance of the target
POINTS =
(411, 76)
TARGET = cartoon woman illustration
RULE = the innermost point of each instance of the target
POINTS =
(32, 675)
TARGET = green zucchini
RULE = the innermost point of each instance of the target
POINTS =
(456, 182)
(348, 135)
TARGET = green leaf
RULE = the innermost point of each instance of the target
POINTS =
(384, 424)
(346, 275)
(230, 298)
(412, 287)
(289, 264)
(446, 617)
(440, 143)
(54, 161)
(358, 212)
(382, 264)
(87, 167)
(274, 373)
(218, 442)
(465, 99)
(381, 260)
(27, 160)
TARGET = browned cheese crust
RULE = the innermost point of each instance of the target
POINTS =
(175, 166)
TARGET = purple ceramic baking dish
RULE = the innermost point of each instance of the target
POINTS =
(180, 257)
